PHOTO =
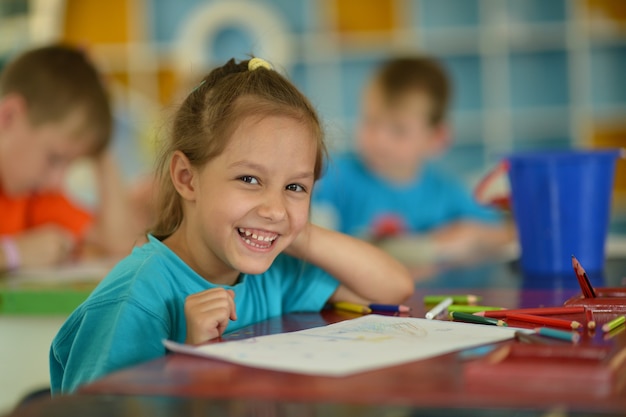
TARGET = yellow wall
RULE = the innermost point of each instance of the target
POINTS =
(96, 21)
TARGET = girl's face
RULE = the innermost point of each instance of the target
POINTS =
(250, 202)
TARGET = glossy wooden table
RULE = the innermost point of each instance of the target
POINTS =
(187, 383)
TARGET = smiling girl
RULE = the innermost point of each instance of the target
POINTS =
(232, 244)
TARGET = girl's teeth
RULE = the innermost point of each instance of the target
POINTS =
(256, 245)
(254, 236)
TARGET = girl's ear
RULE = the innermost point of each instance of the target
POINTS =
(182, 174)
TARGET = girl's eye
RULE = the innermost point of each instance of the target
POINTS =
(296, 187)
(249, 179)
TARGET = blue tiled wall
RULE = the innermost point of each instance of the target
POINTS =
(539, 79)
(465, 73)
(535, 91)
(608, 74)
(536, 10)
(442, 13)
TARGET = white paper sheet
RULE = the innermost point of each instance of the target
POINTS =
(351, 346)
(79, 272)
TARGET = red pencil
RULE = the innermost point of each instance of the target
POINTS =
(546, 321)
(591, 323)
(579, 276)
(539, 311)
(583, 279)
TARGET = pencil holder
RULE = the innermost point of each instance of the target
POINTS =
(608, 300)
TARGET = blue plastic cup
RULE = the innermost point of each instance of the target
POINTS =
(561, 203)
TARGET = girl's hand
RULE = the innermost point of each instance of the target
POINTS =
(207, 314)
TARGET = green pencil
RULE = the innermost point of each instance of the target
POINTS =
(462, 308)
(470, 318)
(456, 299)
(613, 324)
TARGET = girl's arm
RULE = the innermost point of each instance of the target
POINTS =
(367, 274)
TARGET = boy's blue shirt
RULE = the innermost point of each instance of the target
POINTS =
(359, 198)
(141, 302)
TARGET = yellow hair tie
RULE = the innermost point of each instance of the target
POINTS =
(255, 63)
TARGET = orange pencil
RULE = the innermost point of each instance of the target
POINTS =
(546, 321)
(583, 279)
(539, 311)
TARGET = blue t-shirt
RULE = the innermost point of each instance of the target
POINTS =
(358, 200)
(141, 302)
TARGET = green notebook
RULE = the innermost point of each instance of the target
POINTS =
(40, 302)
(54, 291)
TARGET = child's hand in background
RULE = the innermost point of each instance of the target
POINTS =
(468, 241)
(456, 241)
(207, 314)
(44, 246)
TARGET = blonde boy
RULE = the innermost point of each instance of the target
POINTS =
(389, 190)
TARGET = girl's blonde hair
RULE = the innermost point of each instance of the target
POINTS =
(209, 116)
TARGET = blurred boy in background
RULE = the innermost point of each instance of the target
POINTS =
(53, 110)
(390, 191)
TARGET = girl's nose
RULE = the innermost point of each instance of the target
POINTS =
(273, 207)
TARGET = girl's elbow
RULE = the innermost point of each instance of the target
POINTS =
(404, 286)
(407, 288)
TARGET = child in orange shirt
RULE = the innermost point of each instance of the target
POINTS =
(53, 110)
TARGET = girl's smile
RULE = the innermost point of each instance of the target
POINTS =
(257, 239)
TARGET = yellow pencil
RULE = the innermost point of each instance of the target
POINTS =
(355, 308)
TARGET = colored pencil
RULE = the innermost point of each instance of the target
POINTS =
(392, 308)
(531, 338)
(355, 308)
(439, 308)
(470, 318)
(583, 279)
(573, 337)
(456, 299)
(539, 311)
(591, 323)
(463, 308)
(614, 332)
(546, 321)
(613, 324)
